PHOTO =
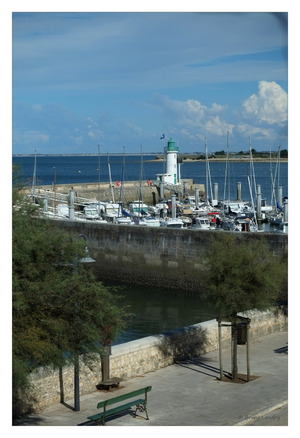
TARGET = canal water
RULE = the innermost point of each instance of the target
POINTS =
(155, 311)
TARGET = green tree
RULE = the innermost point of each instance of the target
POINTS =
(59, 312)
(243, 274)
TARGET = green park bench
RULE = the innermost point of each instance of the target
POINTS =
(140, 403)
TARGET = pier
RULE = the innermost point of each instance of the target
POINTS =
(95, 192)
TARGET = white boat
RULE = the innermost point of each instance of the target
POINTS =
(90, 212)
(235, 207)
(203, 211)
(244, 225)
(138, 209)
(202, 223)
(172, 223)
(265, 208)
(149, 221)
(62, 210)
(109, 211)
(122, 220)
(160, 209)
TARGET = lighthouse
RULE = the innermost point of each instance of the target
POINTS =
(171, 175)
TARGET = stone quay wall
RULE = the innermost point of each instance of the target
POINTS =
(155, 256)
(145, 355)
(130, 190)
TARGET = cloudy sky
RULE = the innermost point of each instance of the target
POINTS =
(117, 79)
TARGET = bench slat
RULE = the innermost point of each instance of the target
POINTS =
(122, 397)
(116, 410)
(142, 402)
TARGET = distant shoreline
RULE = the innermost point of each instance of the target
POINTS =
(160, 157)
(237, 160)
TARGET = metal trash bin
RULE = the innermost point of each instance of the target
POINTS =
(241, 334)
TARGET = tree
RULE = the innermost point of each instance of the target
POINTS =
(56, 315)
(242, 274)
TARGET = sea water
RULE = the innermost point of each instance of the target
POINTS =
(85, 169)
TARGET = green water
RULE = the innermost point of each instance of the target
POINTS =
(157, 311)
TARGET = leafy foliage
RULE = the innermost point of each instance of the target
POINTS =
(243, 274)
(58, 311)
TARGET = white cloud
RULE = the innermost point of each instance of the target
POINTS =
(214, 125)
(258, 132)
(269, 105)
(192, 117)
(29, 137)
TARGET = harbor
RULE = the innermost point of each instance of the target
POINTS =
(170, 200)
(155, 228)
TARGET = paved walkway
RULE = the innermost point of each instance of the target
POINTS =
(190, 394)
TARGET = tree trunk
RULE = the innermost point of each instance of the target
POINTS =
(234, 367)
(61, 386)
(248, 354)
(76, 384)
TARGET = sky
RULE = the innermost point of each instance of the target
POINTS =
(109, 80)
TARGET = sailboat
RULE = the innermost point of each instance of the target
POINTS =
(229, 206)
(109, 209)
(123, 217)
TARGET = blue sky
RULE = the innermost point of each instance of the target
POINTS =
(117, 79)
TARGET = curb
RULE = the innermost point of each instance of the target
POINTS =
(254, 417)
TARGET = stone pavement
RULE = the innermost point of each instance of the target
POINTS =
(189, 393)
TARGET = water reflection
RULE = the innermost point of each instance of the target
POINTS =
(157, 310)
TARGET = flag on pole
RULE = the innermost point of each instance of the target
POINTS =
(162, 137)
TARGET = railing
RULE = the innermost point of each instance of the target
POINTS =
(61, 197)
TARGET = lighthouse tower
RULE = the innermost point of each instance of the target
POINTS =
(171, 175)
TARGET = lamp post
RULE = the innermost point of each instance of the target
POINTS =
(86, 259)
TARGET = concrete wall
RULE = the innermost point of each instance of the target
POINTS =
(138, 357)
(158, 257)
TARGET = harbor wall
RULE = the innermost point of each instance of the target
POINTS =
(155, 256)
(145, 355)
(130, 190)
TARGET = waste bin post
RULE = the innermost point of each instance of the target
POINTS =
(220, 349)
(248, 351)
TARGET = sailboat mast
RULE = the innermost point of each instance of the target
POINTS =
(110, 181)
(208, 178)
(227, 171)
(278, 176)
(54, 207)
(122, 182)
(34, 177)
(141, 182)
(206, 173)
(252, 172)
(99, 176)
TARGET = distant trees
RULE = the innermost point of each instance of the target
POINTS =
(243, 274)
(222, 154)
(58, 312)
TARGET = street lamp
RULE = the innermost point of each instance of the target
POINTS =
(86, 259)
